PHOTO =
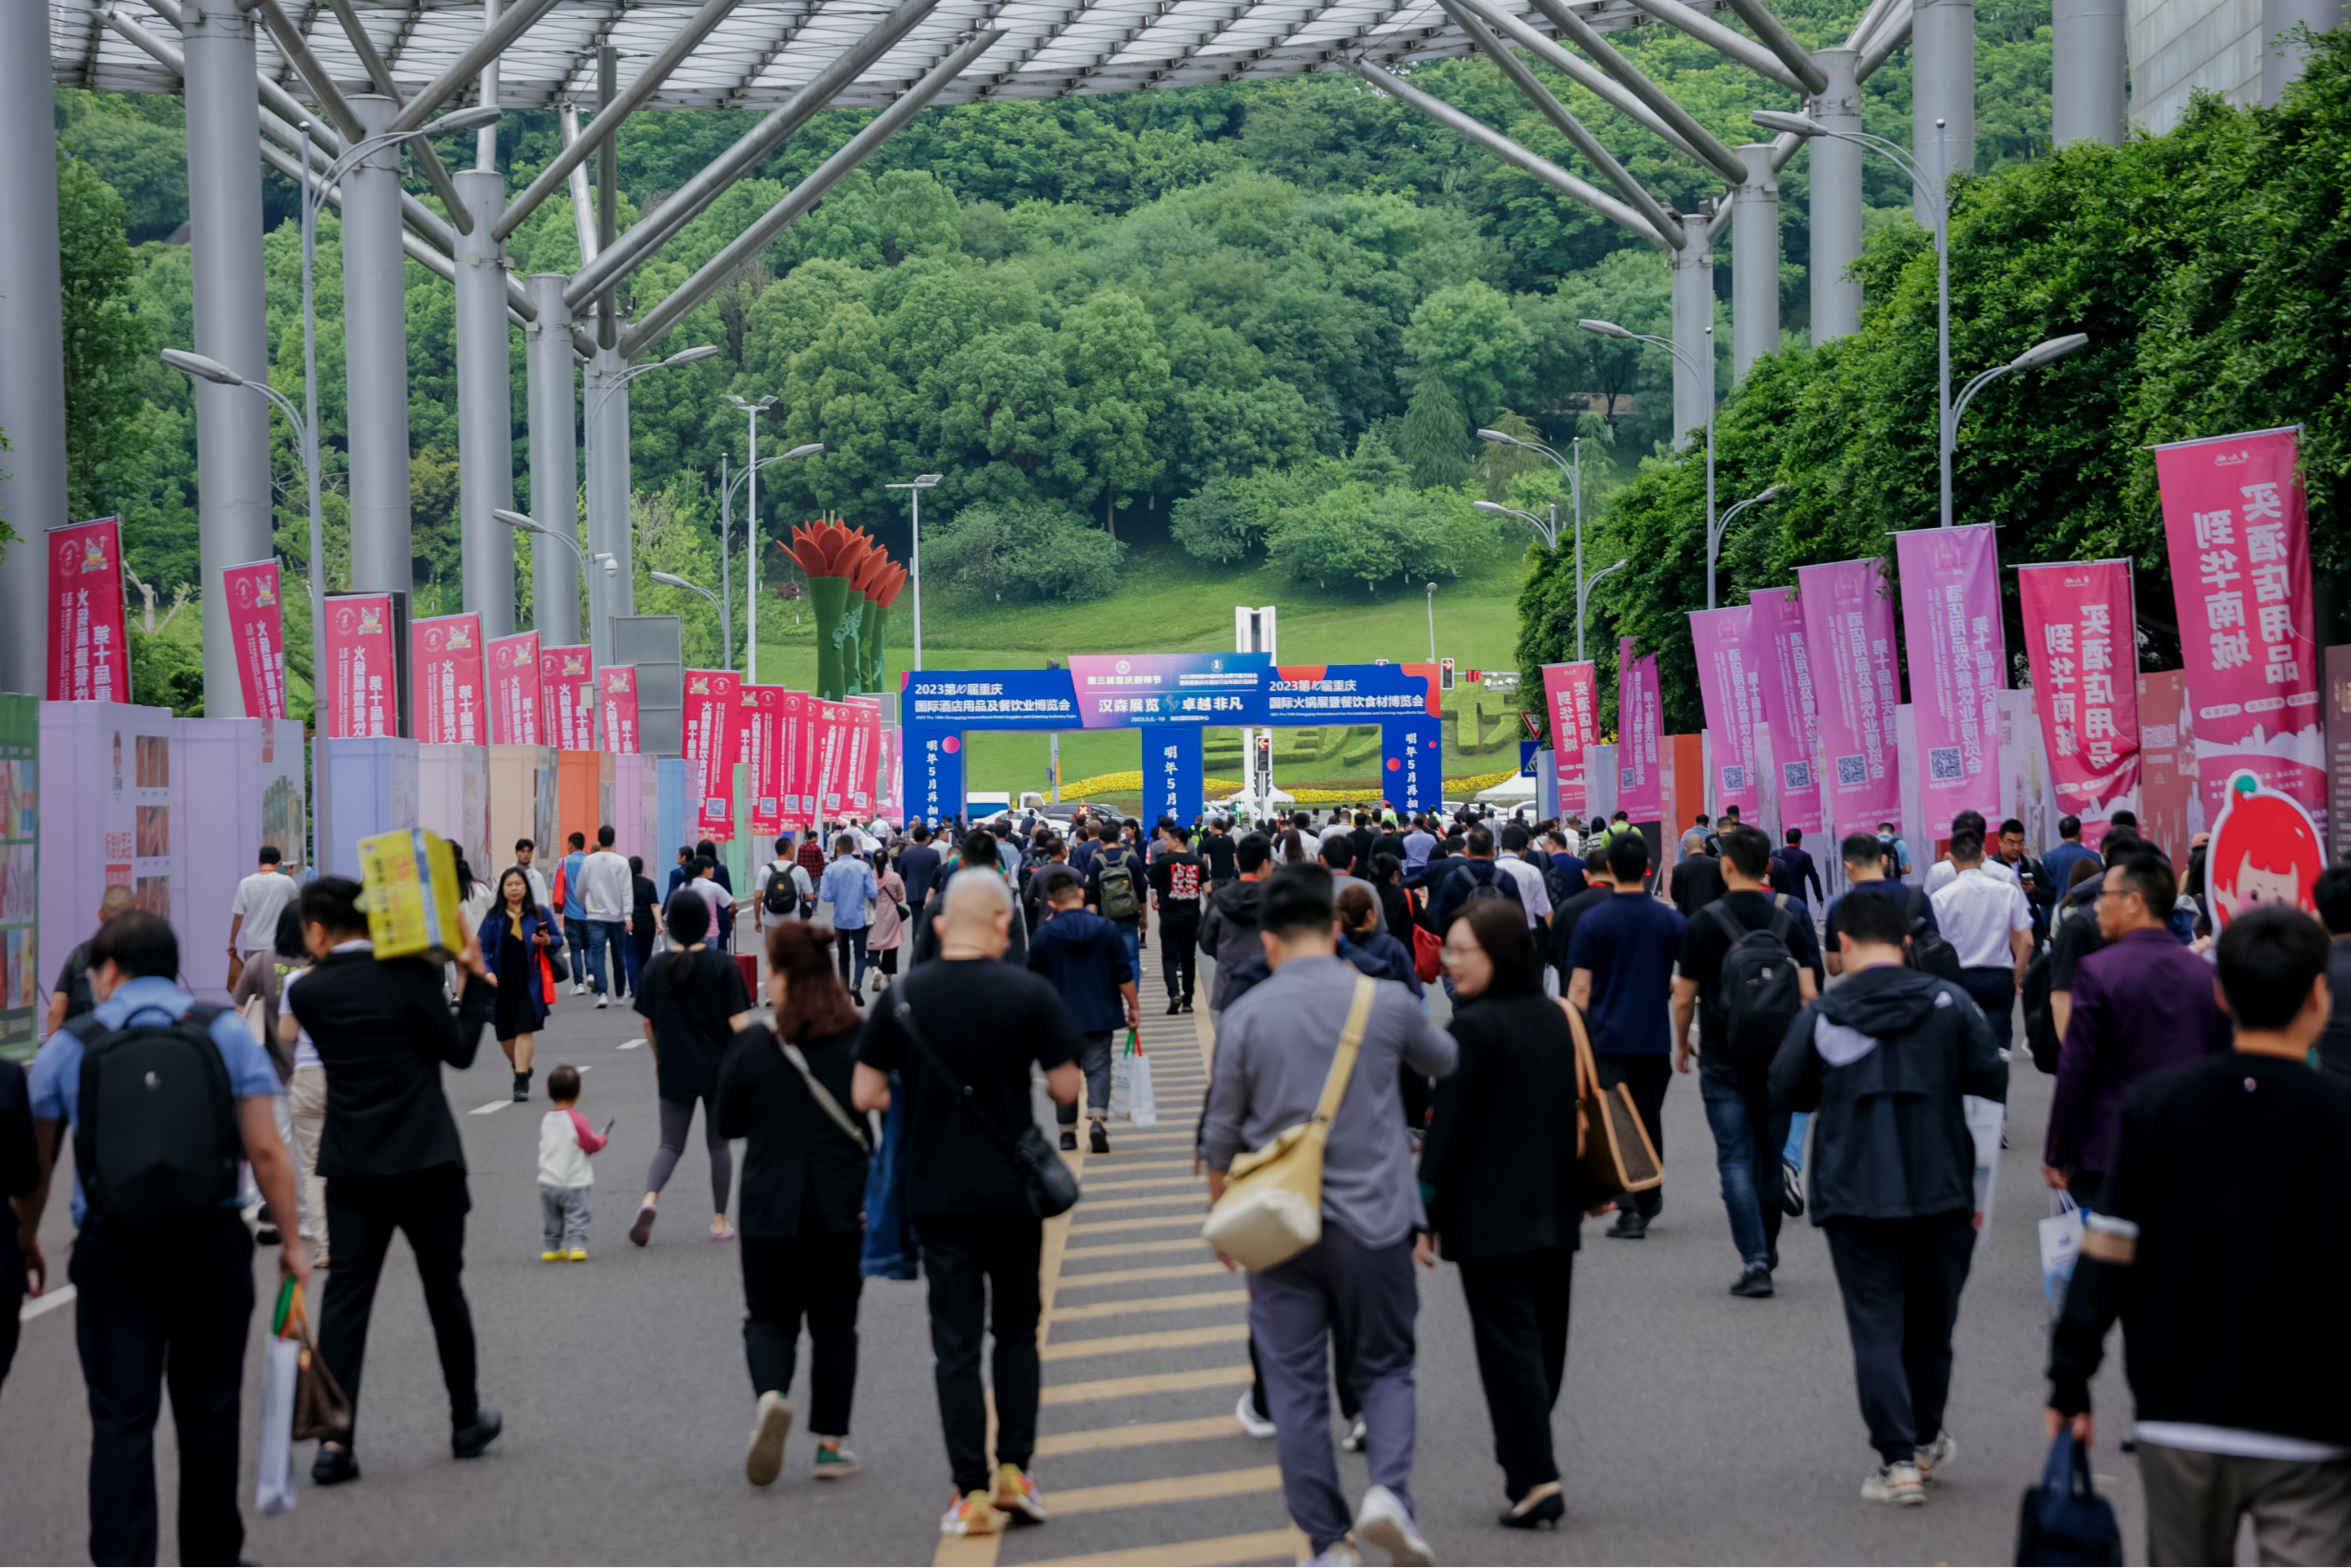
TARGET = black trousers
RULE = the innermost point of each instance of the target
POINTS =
(1901, 1280)
(1179, 958)
(362, 1212)
(983, 1266)
(1645, 1073)
(10, 1327)
(153, 1308)
(1518, 1320)
(812, 1274)
(1994, 990)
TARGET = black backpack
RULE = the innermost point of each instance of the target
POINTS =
(1555, 886)
(1929, 953)
(156, 1140)
(780, 897)
(2040, 1021)
(1760, 995)
(1485, 881)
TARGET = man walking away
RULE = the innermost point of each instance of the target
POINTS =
(1865, 867)
(1748, 963)
(962, 1032)
(1417, 845)
(1695, 880)
(608, 892)
(1216, 850)
(1177, 889)
(163, 1271)
(1792, 870)
(573, 907)
(1338, 856)
(1472, 877)
(1897, 853)
(2227, 1203)
(389, 1153)
(1085, 958)
(1989, 926)
(1274, 1054)
(918, 866)
(848, 883)
(1694, 841)
(1620, 975)
(1535, 889)
(1228, 931)
(786, 890)
(1115, 887)
(261, 898)
(2140, 1004)
(70, 998)
(1883, 1062)
(2059, 863)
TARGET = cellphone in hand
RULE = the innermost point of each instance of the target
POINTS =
(609, 1126)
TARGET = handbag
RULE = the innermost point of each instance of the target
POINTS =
(320, 1409)
(2064, 1519)
(1051, 1187)
(1271, 1209)
(2060, 1249)
(1610, 1138)
(823, 1097)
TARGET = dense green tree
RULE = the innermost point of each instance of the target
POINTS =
(107, 346)
(1038, 551)
(1434, 436)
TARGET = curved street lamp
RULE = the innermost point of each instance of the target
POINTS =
(749, 473)
(1705, 374)
(914, 488)
(670, 579)
(1722, 525)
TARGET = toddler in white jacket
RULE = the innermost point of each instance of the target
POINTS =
(565, 1182)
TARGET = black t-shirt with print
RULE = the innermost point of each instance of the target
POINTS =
(1178, 880)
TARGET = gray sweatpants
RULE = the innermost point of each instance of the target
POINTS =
(563, 1217)
(2301, 1510)
(1367, 1295)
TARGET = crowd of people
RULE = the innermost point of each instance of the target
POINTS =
(1480, 1019)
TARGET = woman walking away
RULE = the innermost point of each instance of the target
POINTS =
(694, 1002)
(1509, 1189)
(889, 932)
(787, 1091)
(513, 938)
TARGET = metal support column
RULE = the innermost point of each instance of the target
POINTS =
(608, 491)
(1693, 305)
(484, 408)
(554, 462)
(375, 360)
(2087, 63)
(233, 481)
(1942, 88)
(2283, 64)
(1754, 261)
(1836, 214)
(33, 392)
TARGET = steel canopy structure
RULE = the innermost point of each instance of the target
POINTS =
(294, 83)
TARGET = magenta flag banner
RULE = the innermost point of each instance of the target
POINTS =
(89, 657)
(1849, 631)
(513, 690)
(1731, 659)
(1572, 697)
(618, 685)
(363, 679)
(567, 695)
(2081, 642)
(1790, 707)
(1640, 732)
(1950, 623)
(2240, 545)
(445, 658)
(256, 623)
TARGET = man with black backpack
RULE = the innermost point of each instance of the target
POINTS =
(1116, 886)
(163, 1096)
(1472, 876)
(786, 892)
(1749, 964)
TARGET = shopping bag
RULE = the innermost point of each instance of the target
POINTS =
(282, 1367)
(2061, 1244)
(1130, 1086)
(1986, 1119)
(2064, 1519)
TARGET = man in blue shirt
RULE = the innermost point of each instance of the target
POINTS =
(1084, 954)
(179, 1294)
(1620, 978)
(575, 913)
(918, 866)
(848, 883)
(1417, 845)
(2059, 863)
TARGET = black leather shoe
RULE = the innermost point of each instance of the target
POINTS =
(467, 1442)
(1069, 1140)
(1174, 1008)
(1630, 1225)
(1754, 1282)
(1542, 1505)
(333, 1466)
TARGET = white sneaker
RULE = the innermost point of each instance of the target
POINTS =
(1381, 1520)
(1896, 1483)
(1340, 1553)
(578, 989)
(1353, 1443)
(1255, 1424)
(1937, 1456)
(770, 1426)
(603, 1000)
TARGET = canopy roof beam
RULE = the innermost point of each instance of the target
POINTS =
(1777, 39)
(1735, 47)
(1585, 75)
(1723, 160)
(511, 25)
(428, 161)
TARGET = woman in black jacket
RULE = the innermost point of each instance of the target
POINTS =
(803, 1194)
(694, 1001)
(1501, 1163)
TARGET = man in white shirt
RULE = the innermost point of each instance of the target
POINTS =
(1532, 891)
(608, 892)
(1939, 874)
(261, 898)
(1989, 926)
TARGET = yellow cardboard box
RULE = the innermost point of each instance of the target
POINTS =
(411, 898)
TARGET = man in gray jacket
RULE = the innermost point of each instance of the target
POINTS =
(1274, 1051)
(1228, 930)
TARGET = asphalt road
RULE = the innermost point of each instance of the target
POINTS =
(1694, 1427)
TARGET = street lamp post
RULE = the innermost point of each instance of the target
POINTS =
(750, 537)
(523, 524)
(670, 579)
(1705, 374)
(2033, 358)
(1432, 623)
(600, 632)
(726, 488)
(916, 486)
(1714, 534)
(1584, 598)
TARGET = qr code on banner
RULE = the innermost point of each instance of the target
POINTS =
(1851, 771)
(1943, 763)
(1625, 778)
(1797, 775)
(1734, 777)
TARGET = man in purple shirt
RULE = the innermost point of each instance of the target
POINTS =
(2141, 1002)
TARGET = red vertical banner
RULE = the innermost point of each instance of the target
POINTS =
(445, 655)
(363, 678)
(796, 779)
(257, 625)
(2234, 519)
(566, 697)
(710, 746)
(1571, 696)
(89, 656)
(2081, 640)
(513, 690)
(886, 788)
(763, 751)
(833, 723)
(1640, 735)
(618, 685)
(864, 752)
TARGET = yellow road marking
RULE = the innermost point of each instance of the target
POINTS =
(1189, 1244)
(1148, 1383)
(1168, 1488)
(1287, 1545)
(1185, 1180)
(1136, 1276)
(1108, 1225)
(1141, 1435)
(1163, 1339)
(1094, 1205)
(1123, 1167)
(1151, 1304)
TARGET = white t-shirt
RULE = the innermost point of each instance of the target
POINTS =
(1939, 874)
(1976, 914)
(305, 1053)
(1532, 891)
(261, 898)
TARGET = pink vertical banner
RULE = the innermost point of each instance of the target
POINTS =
(89, 653)
(2081, 642)
(1640, 731)
(513, 690)
(763, 723)
(864, 752)
(710, 748)
(445, 658)
(885, 790)
(2234, 516)
(363, 680)
(1950, 623)
(1790, 707)
(794, 735)
(566, 697)
(1731, 659)
(1571, 698)
(618, 685)
(834, 721)
(1849, 632)
(257, 625)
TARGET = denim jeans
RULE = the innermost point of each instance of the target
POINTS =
(1131, 932)
(575, 937)
(1747, 1139)
(605, 938)
(1792, 1152)
(1093, 1060)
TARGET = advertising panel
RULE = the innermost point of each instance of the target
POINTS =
(90, 659)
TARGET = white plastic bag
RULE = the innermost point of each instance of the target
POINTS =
(2061, 1247)
(1131, 1098)
(281, 1364)
(1986, 1118)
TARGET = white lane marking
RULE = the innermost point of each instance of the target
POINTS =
(493, 1105)
(631, 1044)
(62, 1296)
(589, 1067)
